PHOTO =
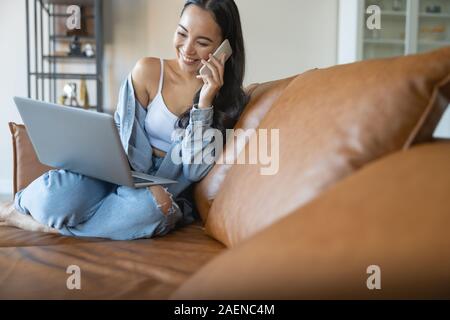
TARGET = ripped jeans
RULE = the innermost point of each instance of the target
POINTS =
(77, 205)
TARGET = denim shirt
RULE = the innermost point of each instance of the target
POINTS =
(129, 119)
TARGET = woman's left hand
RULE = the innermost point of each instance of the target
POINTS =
(211, 83)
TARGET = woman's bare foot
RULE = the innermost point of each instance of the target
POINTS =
(9, 216)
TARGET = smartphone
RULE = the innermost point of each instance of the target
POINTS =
(225, 47)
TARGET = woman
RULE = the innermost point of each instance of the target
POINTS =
(158, 97)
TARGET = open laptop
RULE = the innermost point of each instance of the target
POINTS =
(80, 141)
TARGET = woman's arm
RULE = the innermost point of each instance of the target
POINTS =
(197, 144)
(199, 141)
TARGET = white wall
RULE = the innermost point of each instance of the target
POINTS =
(348, 31)
(126, 39)
(283, 38)
(443, 129)
(13, 79)
(287, 37)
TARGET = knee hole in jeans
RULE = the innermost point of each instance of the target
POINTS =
(162, 197)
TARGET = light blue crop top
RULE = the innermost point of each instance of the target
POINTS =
(160, 121)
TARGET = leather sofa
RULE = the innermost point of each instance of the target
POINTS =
(359, 207)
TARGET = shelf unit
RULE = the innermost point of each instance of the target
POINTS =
(408, 27)
(49, 66)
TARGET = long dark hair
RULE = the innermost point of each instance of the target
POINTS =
(231, 99)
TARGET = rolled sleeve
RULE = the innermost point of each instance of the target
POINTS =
(195, 142)
(203, 115)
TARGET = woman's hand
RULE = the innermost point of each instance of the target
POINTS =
(211, 83)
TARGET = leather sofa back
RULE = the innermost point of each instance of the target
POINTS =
(330, 122)
(26, 166)
(262, 97)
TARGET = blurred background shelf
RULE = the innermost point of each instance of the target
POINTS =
(69, 38)
(65, 15)
(407, 27)
(385, 41)
(69, 2)
(68, 76)
(434, 15)
(388, 13)
(52, 63)
(70, 58)
(433, 44)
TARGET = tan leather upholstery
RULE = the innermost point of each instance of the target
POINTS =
(332, 122)
(14, 237)
(394, 213)
(142, 269)
(262, 98)
(26, 164)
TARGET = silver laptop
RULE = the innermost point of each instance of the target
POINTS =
(81, 141)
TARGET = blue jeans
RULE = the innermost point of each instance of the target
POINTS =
(77, 205)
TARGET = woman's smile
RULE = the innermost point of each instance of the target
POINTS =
(188, 61)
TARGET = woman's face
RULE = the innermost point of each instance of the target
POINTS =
(196, 36)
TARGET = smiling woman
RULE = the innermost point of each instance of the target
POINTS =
(157, 97)
(204, 24)
(202, 27)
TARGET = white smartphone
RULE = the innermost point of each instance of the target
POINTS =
(225, 47)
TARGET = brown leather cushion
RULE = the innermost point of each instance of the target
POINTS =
(394, 213)
(26, 165)
(262, 98)
(141, 269)
(331, 123)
